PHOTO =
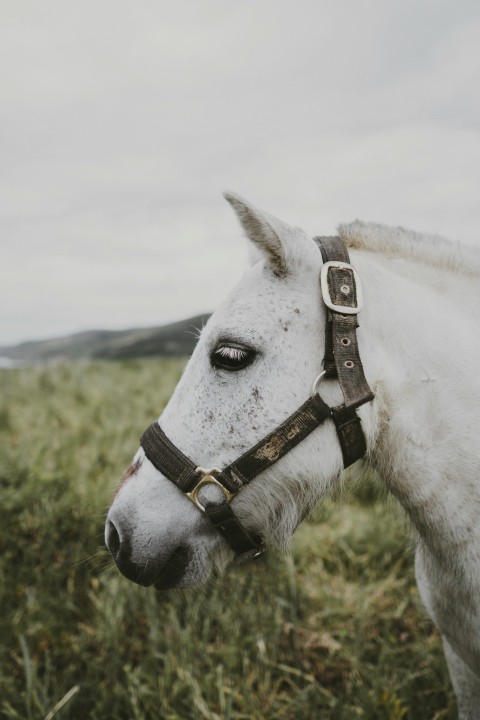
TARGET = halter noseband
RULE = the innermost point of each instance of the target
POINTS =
(341, 292)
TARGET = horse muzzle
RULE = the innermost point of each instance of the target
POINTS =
(162, 570)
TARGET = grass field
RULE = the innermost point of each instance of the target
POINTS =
(335, 630)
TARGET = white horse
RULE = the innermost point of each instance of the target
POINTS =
(254, 365)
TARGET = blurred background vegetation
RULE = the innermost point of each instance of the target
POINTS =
(333, 630)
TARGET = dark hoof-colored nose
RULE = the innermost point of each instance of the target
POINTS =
(121, 551)
(163, 575)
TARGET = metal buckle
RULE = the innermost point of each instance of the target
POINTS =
(207, 479)
(344, 309)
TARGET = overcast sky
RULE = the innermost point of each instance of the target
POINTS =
(123, 122)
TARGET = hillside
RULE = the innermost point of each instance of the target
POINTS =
(173, 340)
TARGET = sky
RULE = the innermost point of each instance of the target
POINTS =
(123, 122)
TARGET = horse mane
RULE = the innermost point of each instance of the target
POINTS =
(432, 250)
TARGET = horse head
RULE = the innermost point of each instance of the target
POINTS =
(253, 366)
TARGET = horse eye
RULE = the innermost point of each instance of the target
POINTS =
(231, 357)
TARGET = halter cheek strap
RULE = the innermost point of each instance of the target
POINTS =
(341, 292)
(178, 468)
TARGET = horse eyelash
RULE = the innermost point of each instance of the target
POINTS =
(231, 357)
(232, 353)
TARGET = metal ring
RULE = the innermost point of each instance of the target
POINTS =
(317, 382)
(208, 471)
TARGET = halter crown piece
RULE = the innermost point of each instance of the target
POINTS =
(341, 293)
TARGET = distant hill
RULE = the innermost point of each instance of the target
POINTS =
(174, 340)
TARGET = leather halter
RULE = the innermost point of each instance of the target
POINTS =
(341, 294)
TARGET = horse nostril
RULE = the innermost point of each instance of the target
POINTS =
(112, 538)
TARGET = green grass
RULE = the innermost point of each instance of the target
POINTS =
(335, 630)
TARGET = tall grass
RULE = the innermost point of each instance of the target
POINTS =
(334, 630)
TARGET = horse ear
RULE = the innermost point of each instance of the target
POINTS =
(269, 234)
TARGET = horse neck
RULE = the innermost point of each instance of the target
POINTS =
(416, 346)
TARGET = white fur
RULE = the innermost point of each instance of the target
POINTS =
(397, 241)
(420, 347)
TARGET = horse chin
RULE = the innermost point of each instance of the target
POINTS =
(186, 568)
(173, 571)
